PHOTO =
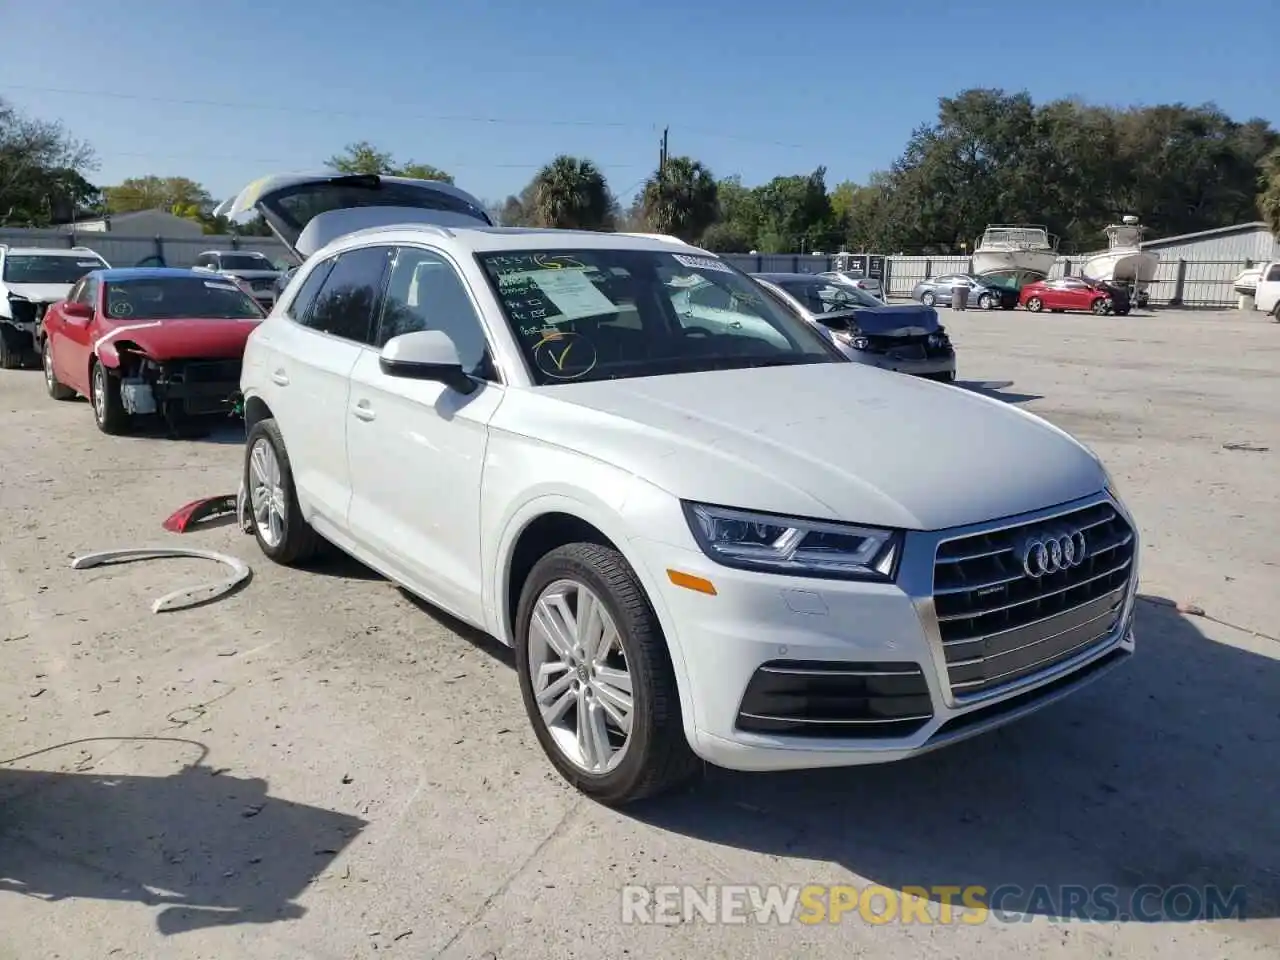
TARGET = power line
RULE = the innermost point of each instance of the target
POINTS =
(396, 111)
(450, 165)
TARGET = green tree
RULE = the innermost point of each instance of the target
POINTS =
(178, 195)
(570, 193)
(364, 157)
(795, 214)
(1269, 198)
(681, 200)
(42, 171)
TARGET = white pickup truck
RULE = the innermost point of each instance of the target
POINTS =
(1267, 295)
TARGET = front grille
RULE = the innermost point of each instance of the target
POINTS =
(24, 311)
(999, 624)
(818, 698)
(211, 371)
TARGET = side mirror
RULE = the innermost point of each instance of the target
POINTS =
(425, 355)
(73, 310)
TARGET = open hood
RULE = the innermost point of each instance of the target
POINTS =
(40, 292)
(307, 211)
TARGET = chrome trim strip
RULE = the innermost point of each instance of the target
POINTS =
(757, 716)
(1032, 623)
(1027, 646)
(809, 672)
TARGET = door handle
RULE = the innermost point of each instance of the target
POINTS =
(362, 411)
(280, 378)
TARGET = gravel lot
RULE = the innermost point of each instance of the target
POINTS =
(321, 767)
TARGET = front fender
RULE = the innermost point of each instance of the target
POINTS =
(607, 517)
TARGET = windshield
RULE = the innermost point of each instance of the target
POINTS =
(819, 295)
(179, 298)
(582, 315)
(49, 268)
(245, 261)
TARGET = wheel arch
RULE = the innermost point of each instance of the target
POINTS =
(551, 520)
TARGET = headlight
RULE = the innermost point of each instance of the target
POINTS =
(852, 339)
(802, 548)
(939, 339)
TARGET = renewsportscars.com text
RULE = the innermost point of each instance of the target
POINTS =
(968, 905)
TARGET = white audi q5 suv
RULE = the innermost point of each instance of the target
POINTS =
(728, 544)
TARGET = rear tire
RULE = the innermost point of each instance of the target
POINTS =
(278, 525)
(928, 299)
(1035, 304)
(654, 753)
(56, 388)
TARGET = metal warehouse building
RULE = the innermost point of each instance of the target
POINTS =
(1248, 241)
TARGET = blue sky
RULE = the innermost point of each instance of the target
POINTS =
(224, 91)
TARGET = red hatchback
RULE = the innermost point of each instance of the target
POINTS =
(1073, 293)
(139, 341)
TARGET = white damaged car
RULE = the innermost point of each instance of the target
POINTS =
(31, 278)
(702, 540)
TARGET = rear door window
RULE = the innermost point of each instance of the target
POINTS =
(351, 295)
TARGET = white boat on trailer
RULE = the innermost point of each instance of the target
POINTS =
(1124, 262)
(1023, 249)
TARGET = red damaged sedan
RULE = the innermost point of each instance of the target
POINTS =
(141, 341)
(1075, 293)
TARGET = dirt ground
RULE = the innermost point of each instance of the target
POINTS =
(321, 767)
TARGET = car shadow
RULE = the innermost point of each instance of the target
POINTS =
(997, 390)
(1162, 772)
(331, 561)
(477, 638)
(210, 848)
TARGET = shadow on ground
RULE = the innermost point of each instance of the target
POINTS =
(209, 848)
(997, 390)
(1163, 772)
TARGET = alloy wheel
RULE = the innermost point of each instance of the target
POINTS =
(266, 493)
(579, 675)
(48, 366)
(99, 391)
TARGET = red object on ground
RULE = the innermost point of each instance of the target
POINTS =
(197, 511)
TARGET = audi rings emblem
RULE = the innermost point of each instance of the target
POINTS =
(1053, 553)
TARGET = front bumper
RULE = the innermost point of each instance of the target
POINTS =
(927, 367)
(794, 673)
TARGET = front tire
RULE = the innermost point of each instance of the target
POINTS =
(1101, 307)
(928, 299)
(986, 302)
(1035, 304)
(597, 679)
(56, 388)
(104, 396)
(278, 525)
(13, 347)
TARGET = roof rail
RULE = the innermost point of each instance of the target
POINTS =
(658, 236)
(81, 248)
(411, 225)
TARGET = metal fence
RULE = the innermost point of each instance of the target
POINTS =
(1189, 283)
(1185, 283)
(121, 250)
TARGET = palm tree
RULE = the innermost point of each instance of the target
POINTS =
(682, 199)
(571, 193)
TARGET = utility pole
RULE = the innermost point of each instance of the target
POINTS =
(662, 157)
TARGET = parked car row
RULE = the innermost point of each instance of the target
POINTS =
(1061, 295)
(707, 535)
